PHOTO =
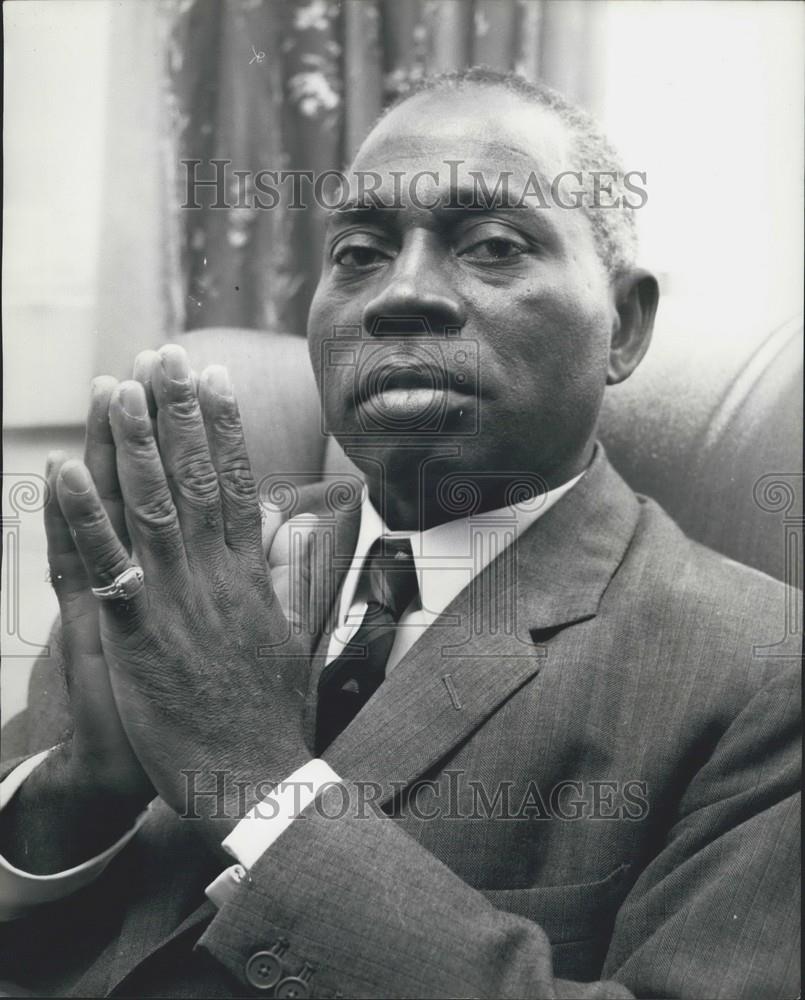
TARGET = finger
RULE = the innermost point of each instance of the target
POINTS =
(150, 512)
(79, 637)
(86, 675)
(67, 573)
(185, 453)
(99, 454)
(239, 503)
(103, 554)
(143, 373)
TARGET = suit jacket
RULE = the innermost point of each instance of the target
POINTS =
(584, 779)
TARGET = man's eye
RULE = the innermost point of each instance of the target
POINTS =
(359, 256)
(494, 249)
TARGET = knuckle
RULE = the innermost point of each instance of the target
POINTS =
(196, 477)
(238, 480)
(226, 418)
(185, 410)
(110, 559)
(157, 512)
(139, 439)
(90, 519)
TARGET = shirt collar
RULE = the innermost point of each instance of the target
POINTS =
(448, 556)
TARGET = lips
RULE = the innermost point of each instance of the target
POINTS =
(415, 375)
(409, 375)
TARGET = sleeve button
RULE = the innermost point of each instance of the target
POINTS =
(265, 968)
(295, 987)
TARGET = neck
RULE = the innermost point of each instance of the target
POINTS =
(415, 497)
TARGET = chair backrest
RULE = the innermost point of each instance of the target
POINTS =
(715, 436)
(276, 391)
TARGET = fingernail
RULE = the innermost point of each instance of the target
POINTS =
(174, 363)
(218, 380)
(103, 383)
(75, 477)
(54, 459)
(132, 399)
(143, 364)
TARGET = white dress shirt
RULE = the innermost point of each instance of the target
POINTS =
(447, 558)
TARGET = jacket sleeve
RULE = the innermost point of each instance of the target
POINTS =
(45, 721)
(363, 910)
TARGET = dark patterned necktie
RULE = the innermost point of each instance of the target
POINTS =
(349, 681)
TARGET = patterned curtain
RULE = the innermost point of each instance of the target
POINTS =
(295, 85)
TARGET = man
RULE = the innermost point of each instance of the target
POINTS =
(560, 774)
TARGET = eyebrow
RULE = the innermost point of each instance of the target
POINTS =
(461, 198)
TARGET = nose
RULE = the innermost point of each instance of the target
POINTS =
(417, 298)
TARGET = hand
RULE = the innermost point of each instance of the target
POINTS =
(205, 673)
(101, 760)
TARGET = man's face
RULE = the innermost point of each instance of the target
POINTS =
(514, 302)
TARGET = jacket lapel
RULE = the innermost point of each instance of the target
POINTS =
(486, 643)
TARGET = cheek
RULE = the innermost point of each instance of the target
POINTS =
(314, 352)
(557, 338)
(330, 308)
(319, 324)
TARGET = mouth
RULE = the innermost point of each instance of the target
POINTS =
(412, 376)
(411, 379)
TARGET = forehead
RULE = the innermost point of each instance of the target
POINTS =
(486, 128)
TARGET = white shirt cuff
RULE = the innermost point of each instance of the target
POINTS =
(266, 821)
(22, 891)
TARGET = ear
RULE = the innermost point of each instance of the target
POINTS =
(636, 295)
